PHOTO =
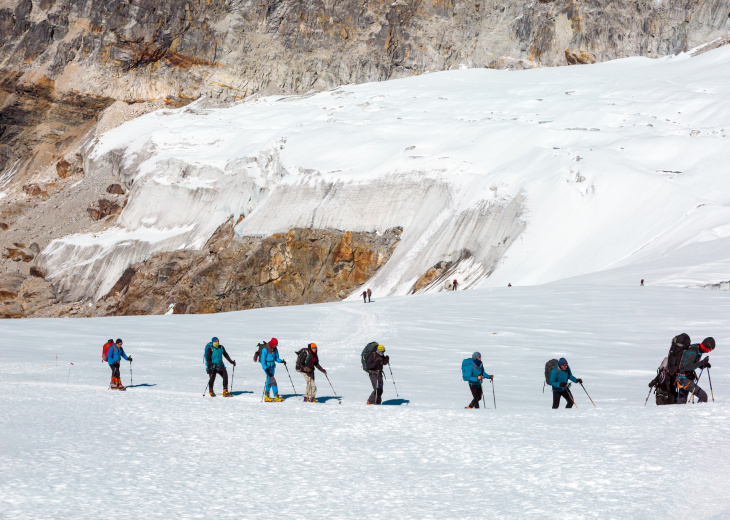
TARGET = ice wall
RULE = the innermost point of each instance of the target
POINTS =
(524, 177)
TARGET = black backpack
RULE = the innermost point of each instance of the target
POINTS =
(549, 368)
(676, 352)
(663, 385)
(369, 349)
(301, 360)
(257, 354)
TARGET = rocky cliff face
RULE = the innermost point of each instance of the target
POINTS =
(230, 273)
(64, 63)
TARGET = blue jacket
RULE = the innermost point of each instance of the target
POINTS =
(470, 372)
(115, 354)
(269, 359)
(558, 376)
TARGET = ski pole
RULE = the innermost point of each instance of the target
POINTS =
(333, 388)
(710, 378)
(484, 402)
(393, 379)
(69, 374)
(692, 397)
(131, 376)
(589, 397)
(493, 395)
(290, 380)
(567, 392)
(206, 387)
(232, 376)
(647, 397)
(266, 383)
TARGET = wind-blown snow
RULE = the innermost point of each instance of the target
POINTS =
(539, 175)
(161, 450)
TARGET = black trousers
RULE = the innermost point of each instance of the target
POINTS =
(115, 369)
(685, 393)
(377, 381)
(565, 394)
(218, 370)
(476, 392)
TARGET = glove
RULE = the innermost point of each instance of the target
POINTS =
(707, 364)
(563, 385)
(491, 378)
(386, 360)
(579, 381)
(283, 361)
(233, 362)
(130, 359)
(651, 385)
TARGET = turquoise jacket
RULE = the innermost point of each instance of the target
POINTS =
(269, 359)
(558, 376)
(470, 372)
(115, 354)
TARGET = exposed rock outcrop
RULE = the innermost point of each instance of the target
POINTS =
(301, 266)
(298, 267)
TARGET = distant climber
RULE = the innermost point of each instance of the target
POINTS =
(472, 371)
(642, 282)
(509, 285)
(454, 285)
(374, 366)
(269, 358)
(369, 294)
(307, 361)
(364, 296)
(214, 354)
(559, 377)
(114, 355)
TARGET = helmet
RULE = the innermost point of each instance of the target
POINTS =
(476, 355)
(274, 342)
(312, 345)
(381, 348)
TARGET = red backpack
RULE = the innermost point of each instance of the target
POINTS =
(105, 350)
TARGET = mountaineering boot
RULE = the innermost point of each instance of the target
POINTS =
(278, 399)
(120, 386)
(113, 384)
(306, 400)
(313, 400)
(468, 407)
(268, 399)
(211, 392)
(368, 402)
(226, 393)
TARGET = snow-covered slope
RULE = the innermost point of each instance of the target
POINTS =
(160, 450)
(529, 176)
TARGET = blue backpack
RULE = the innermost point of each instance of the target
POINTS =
(466, 368)
(205, 354)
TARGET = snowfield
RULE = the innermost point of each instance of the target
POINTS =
(525, 177)
(161, 450)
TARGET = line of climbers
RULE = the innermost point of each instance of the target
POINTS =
(675, 382)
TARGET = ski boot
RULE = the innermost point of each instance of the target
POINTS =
(278, 399)
(268, 399)
(226, 393)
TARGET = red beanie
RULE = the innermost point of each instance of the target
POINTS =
(274, 342)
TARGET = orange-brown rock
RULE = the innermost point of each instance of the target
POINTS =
(33, 189)
(4, 226)
(439, 271)
(63, 169)
(105, 208)
(297, 267)
(115, 189)
(579, 57)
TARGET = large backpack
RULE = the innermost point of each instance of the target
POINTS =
(105, 350)
(205, 354)
(301, 360)
(257, 354)
(466, 369)
(549, 368)
(663, 388)
(676, 352)
(369, 349)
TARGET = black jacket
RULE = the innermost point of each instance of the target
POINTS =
(376, 360)
(311, 360)
(691, 359)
